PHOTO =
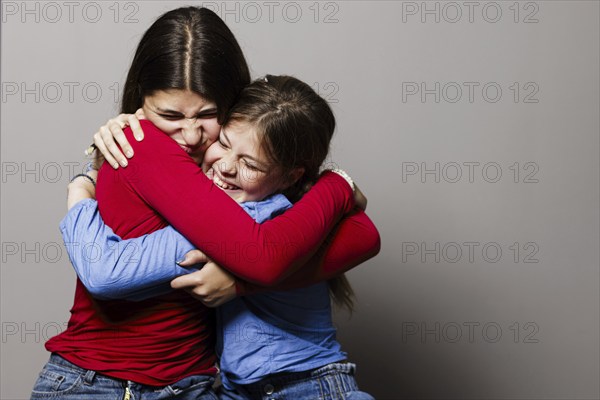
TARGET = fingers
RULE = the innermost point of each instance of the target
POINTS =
(211, 285)
(102, 149)
(193, 257)
(110, 144)
(116, 131)
(108, 136)
(134, 123)
(186, 281)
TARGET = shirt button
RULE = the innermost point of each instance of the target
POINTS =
(269, 389)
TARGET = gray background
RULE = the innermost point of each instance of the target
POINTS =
(486, 285)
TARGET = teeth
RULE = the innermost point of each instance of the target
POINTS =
(223, 185)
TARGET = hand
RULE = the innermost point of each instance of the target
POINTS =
(212, 285)
(109, 135)
(359, 198)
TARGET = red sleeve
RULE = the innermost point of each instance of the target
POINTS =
(352, 242)
(169, 181)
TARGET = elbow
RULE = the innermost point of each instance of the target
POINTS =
(372, 244)
(271, 277)
(268, 281)
(376, 243)
(100, 292)
(101, 289)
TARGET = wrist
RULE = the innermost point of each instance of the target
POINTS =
(90, 167)
(80, 178)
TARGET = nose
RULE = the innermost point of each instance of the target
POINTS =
(227, 165)
(192, 132)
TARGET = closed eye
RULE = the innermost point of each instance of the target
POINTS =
(171, 117)
(207, 114)
(253, 167)
(222, 143)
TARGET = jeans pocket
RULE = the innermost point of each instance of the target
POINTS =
(55, 380)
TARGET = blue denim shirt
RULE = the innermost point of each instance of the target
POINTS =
(257, 335)
(139, 268)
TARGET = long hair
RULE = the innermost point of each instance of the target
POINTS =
(188, 48)
(295, 126)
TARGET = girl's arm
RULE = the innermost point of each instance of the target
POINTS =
(81, 188)
(169, 181)
(112, 268)
(354, 241)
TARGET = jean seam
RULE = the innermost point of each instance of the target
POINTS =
(71, 388)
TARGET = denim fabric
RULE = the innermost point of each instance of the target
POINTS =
(61, 379)
(332, 382)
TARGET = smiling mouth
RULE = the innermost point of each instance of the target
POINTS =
(189, 149)
(222, 184)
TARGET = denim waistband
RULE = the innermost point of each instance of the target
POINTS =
(88, 375)
(58, 360)
(341, 374)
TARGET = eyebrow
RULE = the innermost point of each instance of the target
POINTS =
(262, 164)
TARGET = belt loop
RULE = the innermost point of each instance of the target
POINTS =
(88, 378)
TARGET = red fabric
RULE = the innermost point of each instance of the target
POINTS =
(161, 340)
(352, 242)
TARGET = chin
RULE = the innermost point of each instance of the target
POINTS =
(236, 195)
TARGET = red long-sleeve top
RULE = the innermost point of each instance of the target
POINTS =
(164, 339)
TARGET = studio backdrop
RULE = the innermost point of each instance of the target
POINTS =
(472, 127)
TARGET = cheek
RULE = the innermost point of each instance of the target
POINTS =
(211, 156)
(251, 178)
(257, 182)
(212, 129)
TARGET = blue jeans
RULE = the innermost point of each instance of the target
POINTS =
(332, 382)
(61, 379)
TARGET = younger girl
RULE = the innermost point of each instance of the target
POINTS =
(277, 344)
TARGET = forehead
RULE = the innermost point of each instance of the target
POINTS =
(244, 138)
(178, 100)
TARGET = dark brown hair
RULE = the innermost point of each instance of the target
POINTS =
(187, 48)
(295, 126)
